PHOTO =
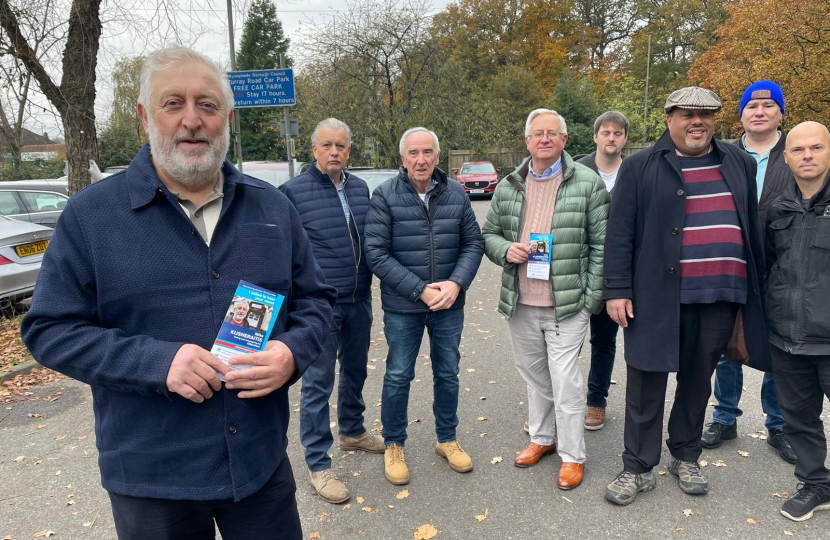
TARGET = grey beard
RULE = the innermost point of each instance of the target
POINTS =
(194, 174)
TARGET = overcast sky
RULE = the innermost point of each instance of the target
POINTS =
(201, 25)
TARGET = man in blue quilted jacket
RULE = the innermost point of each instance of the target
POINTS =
(333, 205)
(425, 246)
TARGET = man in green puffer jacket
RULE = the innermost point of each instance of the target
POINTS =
(548, 308)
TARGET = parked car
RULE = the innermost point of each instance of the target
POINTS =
(36, 201)
(273, 172)
(115, 169)
(478, 177)
(373, 177)
(22, 246)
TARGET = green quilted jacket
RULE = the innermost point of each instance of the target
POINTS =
(578, 227)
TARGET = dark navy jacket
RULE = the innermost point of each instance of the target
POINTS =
(408, 246)
(127, 281)
(337, 247)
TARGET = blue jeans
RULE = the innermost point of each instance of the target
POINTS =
(404, 332)
(348, 341)
(603, 350)
(729, 381)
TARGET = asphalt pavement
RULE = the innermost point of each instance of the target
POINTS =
(56, 486)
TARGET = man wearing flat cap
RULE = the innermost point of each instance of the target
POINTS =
(683, 255)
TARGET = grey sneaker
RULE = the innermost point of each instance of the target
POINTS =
(627, 485)
(368, 442)
(328, 487)
(691, 479)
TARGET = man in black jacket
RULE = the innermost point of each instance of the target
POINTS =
(683, 253)
(333, 205)
(610, 134)
(424, 244)
(798, 260)
(761, 111)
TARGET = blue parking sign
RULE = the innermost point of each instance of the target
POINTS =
(263, 88)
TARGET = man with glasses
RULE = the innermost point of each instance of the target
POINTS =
(548, 308)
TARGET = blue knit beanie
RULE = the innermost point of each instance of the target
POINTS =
(762, 90)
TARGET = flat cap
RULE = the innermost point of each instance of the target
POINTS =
(693, 97)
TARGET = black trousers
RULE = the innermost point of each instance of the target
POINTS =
(801, 383)
(705, 330)
(269, 514)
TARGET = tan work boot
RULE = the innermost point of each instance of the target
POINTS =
(594, 418)
(328, 487)
(367, 442)
(394, 465)
(457, 459)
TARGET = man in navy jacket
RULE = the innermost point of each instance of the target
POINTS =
(333, 205)
(132, 293)
(425, 246)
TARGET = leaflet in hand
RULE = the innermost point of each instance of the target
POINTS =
(247, 323)
(538, 262)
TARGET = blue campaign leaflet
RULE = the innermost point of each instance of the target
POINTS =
(538, 260)
(247, 323)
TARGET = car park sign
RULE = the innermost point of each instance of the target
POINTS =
(263, 88)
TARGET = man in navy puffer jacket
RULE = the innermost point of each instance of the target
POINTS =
(425, 246)
(333, 205)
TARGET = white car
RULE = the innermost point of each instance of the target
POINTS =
(22, 246)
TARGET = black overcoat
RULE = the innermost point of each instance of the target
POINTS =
(642, 251)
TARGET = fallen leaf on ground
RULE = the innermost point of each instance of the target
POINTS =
(425, 532)
(744, 453)
(82, 437)
(314, 536)
(680, 529)
(788, 533)
(370, 509)
(720, 463)
(402, 494)
(360, 500)
(703, 463)
(482, 518)
(613, 381)
(41, 426)
(44, 534)
(347, 506)
(482, 435)
(18, 459)
(481, 418)
(60, 437)
(323, 515)
(495, 460)
(356, 474)
(661, 473)
(38, 462)
(750, 521)
(688, 512)
(471, 370)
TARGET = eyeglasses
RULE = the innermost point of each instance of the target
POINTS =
(539, 134)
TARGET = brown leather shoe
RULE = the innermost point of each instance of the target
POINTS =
(570, 475)
(532, 454)
(594, 418)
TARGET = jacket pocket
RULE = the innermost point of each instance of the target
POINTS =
(265, 256)
(782, 233)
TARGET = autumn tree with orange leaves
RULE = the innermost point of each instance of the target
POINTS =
(786, 42)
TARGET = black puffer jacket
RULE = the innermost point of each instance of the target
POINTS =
(777, 176)
(408, 246)
(798, 261)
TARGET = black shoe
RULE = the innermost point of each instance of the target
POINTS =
(715, 433)
(778, 440)
(808, 500)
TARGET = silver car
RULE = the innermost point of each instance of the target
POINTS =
(22, 246)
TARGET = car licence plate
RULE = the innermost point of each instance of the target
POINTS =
(35, 248)
(476, 191)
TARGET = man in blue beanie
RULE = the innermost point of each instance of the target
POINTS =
(761, 111)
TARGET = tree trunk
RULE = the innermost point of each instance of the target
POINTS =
(81, 147)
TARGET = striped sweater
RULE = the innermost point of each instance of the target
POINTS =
(712, 253)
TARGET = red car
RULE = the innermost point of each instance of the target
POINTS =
(478, 177)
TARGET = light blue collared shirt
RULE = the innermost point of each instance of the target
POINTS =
(432, 184)
(762, 160)
(341, 192)
(547, 173)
